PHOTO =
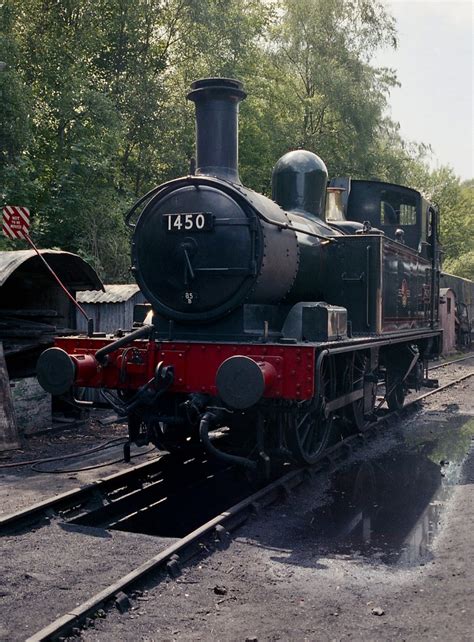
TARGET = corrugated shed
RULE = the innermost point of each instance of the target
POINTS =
(111, 310)
(113, 294)
(463, 288)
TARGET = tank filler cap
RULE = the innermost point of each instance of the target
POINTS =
(55, 371)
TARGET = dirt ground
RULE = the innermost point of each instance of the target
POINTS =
(380, 550)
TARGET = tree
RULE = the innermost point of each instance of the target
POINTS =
(17, 182)
(456, 204)
(458, 232)
(323, 51)
(94, 112)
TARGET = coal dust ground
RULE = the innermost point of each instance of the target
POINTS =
(21, 486)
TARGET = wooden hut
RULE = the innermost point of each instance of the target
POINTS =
(447, 318)
(111, 309)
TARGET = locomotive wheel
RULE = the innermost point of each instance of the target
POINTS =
(355, 375)
(307, 435)
(308, 431)
(395, 389)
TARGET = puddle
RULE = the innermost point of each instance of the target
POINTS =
(389, 508)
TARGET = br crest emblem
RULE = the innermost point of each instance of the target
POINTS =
(404, 293)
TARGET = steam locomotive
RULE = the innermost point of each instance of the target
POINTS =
(271, 319)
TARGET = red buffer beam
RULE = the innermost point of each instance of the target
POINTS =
(282, 372)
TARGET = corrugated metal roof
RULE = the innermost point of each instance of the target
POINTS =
(113, 294)
(71, 268)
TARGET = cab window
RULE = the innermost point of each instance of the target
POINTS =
(397, 208)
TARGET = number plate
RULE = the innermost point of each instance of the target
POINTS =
(188, 222)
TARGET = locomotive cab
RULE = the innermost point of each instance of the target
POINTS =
(400, 212)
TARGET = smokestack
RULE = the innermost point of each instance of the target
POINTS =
(217, 130)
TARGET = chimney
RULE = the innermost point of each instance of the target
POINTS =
(217, 112)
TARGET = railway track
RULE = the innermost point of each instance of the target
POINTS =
(163, 472)
(122, 484)
(451, 363)
(218, 527)
(437, 366)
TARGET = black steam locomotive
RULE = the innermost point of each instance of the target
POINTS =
(273, 318)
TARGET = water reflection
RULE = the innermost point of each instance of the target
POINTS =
(389, 508)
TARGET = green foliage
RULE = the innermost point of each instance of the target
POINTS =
(336, 98)
(458, 227)
(17, 181)
(93, 111)
(456, 204)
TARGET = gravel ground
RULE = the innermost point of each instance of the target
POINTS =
(378, 551)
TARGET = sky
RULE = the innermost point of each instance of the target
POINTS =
(434, 64)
